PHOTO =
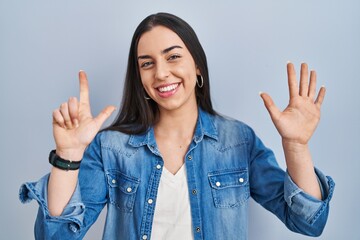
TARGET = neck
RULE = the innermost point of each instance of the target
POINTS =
(179, 122)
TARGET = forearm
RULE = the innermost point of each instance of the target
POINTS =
(62, 185)
(301, 168)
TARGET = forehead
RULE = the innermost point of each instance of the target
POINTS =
(157, 39)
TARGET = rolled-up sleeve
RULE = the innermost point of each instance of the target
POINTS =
(273, 188)
(303, 204)
(72, 215)
(83, 207)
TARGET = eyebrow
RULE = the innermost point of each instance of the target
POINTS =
(166, 50)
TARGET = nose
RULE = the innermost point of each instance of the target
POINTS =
(162, 71)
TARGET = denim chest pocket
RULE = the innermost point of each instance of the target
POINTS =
(122, 190)
(230, 188)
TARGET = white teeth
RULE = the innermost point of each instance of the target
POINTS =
(168, 88)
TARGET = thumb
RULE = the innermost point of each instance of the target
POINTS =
(104, 114)
(270, 105)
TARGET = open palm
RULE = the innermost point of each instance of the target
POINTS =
(300, 118)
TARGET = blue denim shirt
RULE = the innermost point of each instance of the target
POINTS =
(226, 163)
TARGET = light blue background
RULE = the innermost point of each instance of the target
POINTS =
(43, 44)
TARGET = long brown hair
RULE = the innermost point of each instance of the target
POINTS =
(137, 114)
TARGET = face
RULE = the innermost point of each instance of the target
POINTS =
(167, 69)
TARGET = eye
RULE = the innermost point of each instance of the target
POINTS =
(173, 57)
(146, 64)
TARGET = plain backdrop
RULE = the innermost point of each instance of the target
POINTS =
(43, 45)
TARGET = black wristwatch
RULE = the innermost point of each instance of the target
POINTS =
(63, 164)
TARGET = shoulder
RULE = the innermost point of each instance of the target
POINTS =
(232, 131)
(228, 125)
(112, 139)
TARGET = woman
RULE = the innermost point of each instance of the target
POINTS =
(170, 167)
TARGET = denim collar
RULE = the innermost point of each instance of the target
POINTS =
(204, 127)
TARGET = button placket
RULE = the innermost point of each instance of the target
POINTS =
(150, 197)
(194, 201)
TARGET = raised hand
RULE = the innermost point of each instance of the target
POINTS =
(74, 127)
(297, 123)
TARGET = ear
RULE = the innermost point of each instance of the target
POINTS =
(198, 71)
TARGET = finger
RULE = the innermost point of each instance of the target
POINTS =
(64, 110)
(293, 87)
(320, 98)
(58, 118)
(270, 106)
(74, 111)
(304, 84)
(84, 88)
(312, 85)
(104, 114)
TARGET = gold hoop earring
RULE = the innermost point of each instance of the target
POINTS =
(202, 81)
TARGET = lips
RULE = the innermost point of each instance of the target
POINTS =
(166, 91)
(168, 88)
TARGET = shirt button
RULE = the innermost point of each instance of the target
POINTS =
(194, 191)
(129, 189)
(189, 157)
(73, 228)
(158, 166)
(150, 201)
(241, 180)
(218, 184)
(113, 181)
(198, 229)
(144, 237)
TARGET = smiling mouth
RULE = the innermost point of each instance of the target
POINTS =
(168, 88)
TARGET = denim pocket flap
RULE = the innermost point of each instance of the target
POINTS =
(230, 187)
(122, 189)
(126, 184)
(228, 178)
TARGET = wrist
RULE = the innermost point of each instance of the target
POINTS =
(63, 164)
(74, 155)
(294, 147)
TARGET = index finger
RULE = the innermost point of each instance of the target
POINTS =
(84, 88)
(292, 82)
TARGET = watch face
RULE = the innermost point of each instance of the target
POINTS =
(63, 164)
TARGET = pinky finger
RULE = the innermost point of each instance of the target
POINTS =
(58, 118)
(320, 98)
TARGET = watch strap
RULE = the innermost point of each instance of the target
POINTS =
(61, 163)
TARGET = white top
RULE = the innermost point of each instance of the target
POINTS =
(172, 217)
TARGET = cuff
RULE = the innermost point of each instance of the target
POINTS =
(305, 205)
(73, 212)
